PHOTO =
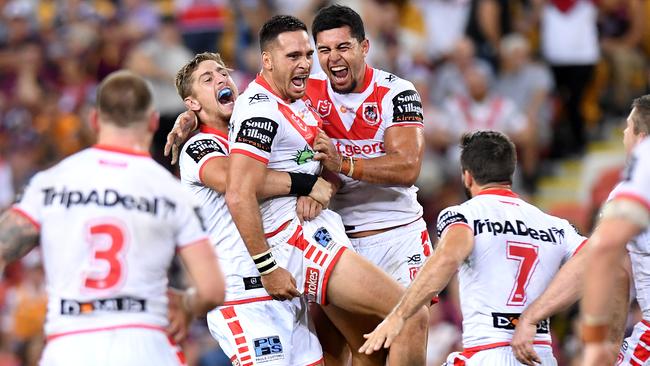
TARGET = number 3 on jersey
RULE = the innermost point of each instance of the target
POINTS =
(107, 239)
(526, 255)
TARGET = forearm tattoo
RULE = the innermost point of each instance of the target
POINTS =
(17, 237)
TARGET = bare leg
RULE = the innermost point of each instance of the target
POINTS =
(335, 349)
(373, 292)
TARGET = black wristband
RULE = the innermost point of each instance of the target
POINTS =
(302, 183)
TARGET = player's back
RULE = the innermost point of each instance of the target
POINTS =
(110, 222)
(517, 251)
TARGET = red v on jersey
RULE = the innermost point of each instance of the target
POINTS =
(308, 132)
(361, 128)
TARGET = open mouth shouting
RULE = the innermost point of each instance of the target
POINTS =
(299, 83)
(225, 96)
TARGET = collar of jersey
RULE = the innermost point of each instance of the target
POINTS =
(213, 131)
(120, 150)
(265, 84)
(499, 192)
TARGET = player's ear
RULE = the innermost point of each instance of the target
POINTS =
(267, 63)
(365, 46)
(467, 179)
(154, 121)
(94, 120)
(192, 104)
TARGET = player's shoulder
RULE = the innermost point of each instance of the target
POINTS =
(389, 80)
(254, 100)
(452, 215)
(202, 144)
(642, 150)
(74, 163)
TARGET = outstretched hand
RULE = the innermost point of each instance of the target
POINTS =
(383, 335)
(185, 123)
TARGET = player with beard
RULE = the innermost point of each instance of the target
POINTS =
(109, 221)
(272, 126)
(262, 324)
(505, 250)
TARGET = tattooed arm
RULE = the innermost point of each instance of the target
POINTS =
(17, 237)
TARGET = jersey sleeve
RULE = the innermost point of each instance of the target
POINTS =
(190, 227)
(636, 178)
(196, 154)
(452, 216)
(30, 203)
(403, 106)
(255, 129)
(573, 239)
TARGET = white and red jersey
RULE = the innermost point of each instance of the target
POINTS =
(110, 222)
(357, 123)
(242, 277)
(463, 114)
(517, 251)
(636, 188)
(278, 133)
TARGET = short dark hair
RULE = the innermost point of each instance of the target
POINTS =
(277, 25)
(641, 119)
(337, 16)
(184, 79)
(123, 98)
(489, 156)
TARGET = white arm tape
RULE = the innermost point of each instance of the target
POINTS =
(629, 210)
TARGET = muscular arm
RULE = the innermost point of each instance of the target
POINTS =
(452, 250)
(215, 171)
(17, 237)
(209, 284)
(404, 147)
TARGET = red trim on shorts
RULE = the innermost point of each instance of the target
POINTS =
(250, 155)
(645, 322)
(297, 240)
(315, 363)
(206, 163)
(121, 150)
(310, 251)
(211, 130)
(24, 214)
(179, 351)
(484, 347)
(579, 248)
(633, 197)
(641, 353)
(247, 301)
(328, 272)
(278, 230)
(54, 336)
(242, 351)
(322, 261)
(499, 192)
(318, 254)
(193, 243)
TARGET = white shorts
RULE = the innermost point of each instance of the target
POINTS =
(125, 346)
(310, 252)
(501, 356)
(268, 333)
(400, 252)
(635, 350)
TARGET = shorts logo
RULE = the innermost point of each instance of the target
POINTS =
(251, 283)
(322, 237)
(311, 283)
(268, 349)
(370, 113)
(509, 321)
(413, 271)
(324, 108)
(414, 259)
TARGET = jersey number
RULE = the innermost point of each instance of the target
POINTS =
(526, 255)
(107, 240)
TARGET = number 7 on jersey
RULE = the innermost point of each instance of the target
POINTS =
(526, 255)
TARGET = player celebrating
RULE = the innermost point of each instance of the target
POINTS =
(624, 218)
(274, 127)
(109, 221)
(264, 324)
(506, 252)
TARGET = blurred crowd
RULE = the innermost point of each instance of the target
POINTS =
(545, 72)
